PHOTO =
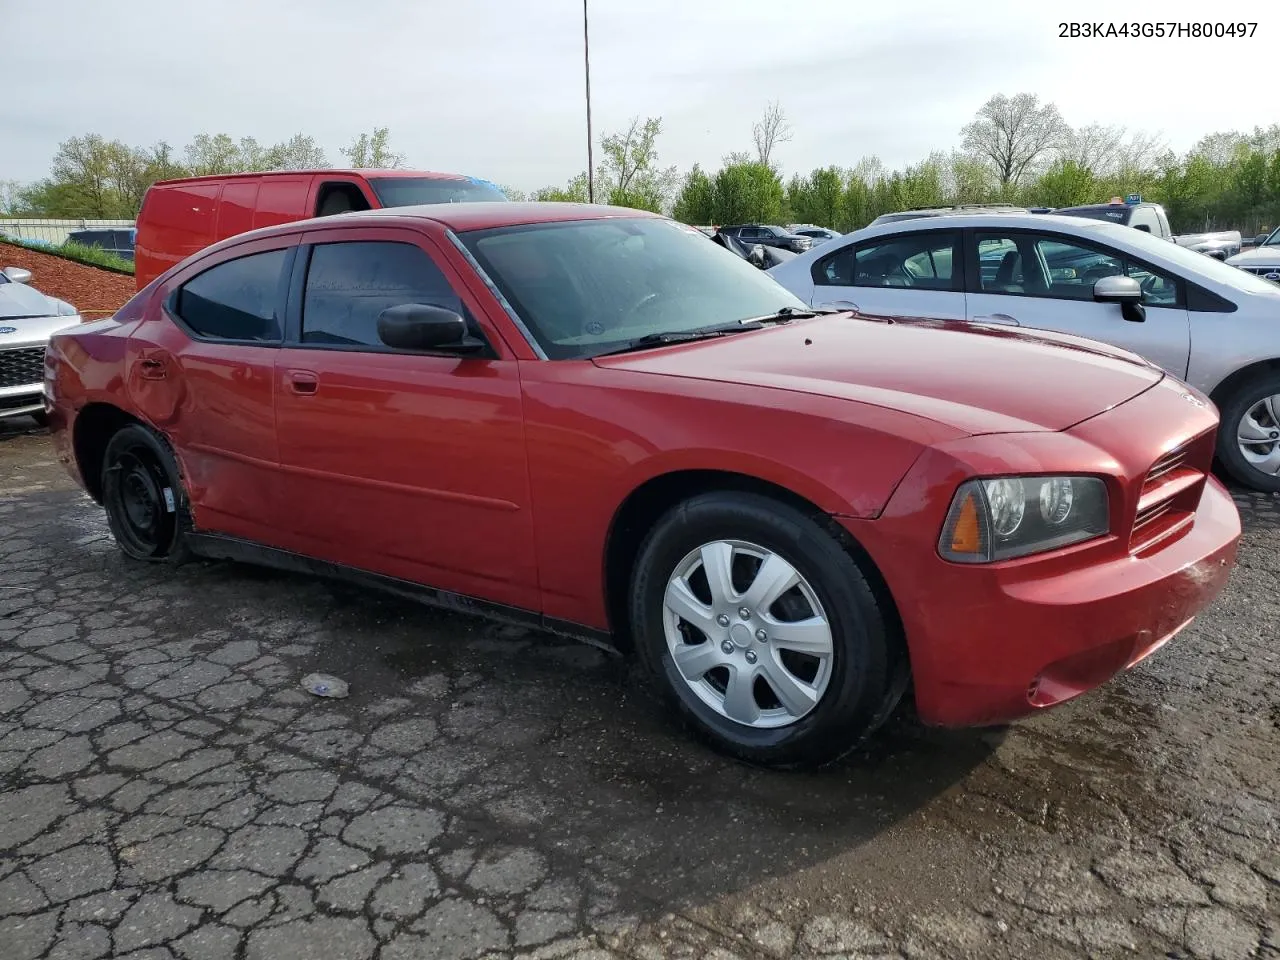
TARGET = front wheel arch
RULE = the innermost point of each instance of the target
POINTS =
(648, 502)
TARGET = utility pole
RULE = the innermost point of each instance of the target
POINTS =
(586, 54)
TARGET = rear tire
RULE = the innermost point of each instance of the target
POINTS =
(145, 501)
(791, 707)
(1252, 413)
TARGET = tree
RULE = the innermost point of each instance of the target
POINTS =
(574, 192)
(1095, 148)
(747, 193)
(1068, 183)
(695, 203)
(373, 151)
(12, 202)
(299, 152)
(818, 198)
(629, 174)
(1015, 134)
(771, 130)
(82, 165)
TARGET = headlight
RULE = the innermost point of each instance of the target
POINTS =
(65, 309)
(1006, 517)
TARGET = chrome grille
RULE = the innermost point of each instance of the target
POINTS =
(1265, 272)
(22, 367)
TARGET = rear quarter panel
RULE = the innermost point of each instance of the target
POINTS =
(595, 435)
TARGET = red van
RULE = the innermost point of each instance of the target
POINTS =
(179, 217)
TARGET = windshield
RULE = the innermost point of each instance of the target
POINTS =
(410, 191)
(587, 287)
(1194, 264)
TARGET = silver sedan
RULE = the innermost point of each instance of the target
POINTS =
(27, 319)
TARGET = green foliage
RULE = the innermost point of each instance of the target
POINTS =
(1066, 184)
(372, 151)
(93, 256)
(747, 192)
(696, 201)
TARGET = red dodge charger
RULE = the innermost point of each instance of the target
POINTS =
(594, 420)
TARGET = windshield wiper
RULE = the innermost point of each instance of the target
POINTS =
(650, 340)
(783, 314)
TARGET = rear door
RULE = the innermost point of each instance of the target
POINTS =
(911, 274)
(201, 367)
(1045, 280)
(282, 199)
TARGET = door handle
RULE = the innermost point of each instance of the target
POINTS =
(303, 382)
(149, 368)
(1003, 318)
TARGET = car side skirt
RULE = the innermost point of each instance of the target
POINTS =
(213, 546)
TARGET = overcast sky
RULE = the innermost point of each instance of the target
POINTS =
(494, 88)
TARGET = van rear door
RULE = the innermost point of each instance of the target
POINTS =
(176, 220)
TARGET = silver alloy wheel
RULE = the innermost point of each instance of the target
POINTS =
(1258, 434)
(760, 655)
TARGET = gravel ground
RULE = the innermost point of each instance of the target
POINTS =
(96, 293)
(170, 792)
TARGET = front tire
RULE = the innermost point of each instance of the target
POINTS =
(761, 630)
(143, 495)
(1249, 433)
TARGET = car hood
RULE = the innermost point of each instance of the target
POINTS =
(27, 316)
(1258, 256)
(974, 378)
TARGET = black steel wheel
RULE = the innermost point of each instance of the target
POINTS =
(143, 496)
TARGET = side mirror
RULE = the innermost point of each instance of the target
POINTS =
(1260, 239)
(1143, 227)
(422, 326)
(18, 274)
(1125, 291)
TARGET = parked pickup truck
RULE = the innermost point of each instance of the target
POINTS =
(1134, 212)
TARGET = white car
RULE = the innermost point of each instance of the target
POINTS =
(1212, 325)
(27, 319)
(1263, 260)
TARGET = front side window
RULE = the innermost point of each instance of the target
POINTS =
(588, 286)
(923, 261)
(235, 300)
(1055, 266)
(350, 283)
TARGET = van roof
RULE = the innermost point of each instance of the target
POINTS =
(340, 171)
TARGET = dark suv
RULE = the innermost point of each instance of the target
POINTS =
(767, 235)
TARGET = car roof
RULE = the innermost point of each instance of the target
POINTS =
(330, 171)
(1093, 207)
(484, 215)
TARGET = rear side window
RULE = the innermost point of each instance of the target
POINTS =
(236, 300)
(923, 261)
(349, 284)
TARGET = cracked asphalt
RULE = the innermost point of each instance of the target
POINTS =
(168, 792)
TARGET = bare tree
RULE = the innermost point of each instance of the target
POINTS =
(772, 130)
(1095, 147)
(1015, 133)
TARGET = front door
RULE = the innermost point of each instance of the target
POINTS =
(1045, 280)
(913, 274)
(201, 368)
(409, 464)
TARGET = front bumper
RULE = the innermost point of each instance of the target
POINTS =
(989, 643)
(1018, 642)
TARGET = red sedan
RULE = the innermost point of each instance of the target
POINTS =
(594, 420)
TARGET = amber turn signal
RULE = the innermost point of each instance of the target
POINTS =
(966, 534)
